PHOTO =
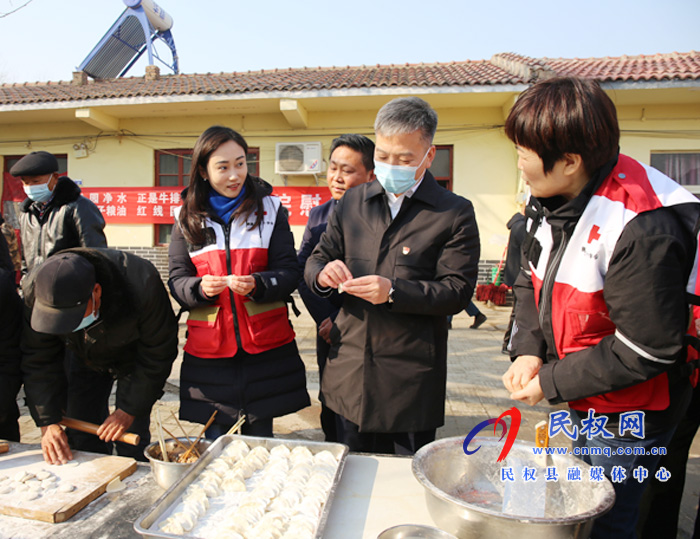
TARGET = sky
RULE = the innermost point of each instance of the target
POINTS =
(47, 39)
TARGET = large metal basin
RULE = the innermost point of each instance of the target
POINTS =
(450, 477)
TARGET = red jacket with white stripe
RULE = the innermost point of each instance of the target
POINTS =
(220, 327)
(604, 301)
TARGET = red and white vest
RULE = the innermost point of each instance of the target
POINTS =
(262, 326)
(580, 317)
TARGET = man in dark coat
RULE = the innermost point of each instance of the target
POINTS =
(55, 216)
(404, 252)
(113, 312)
(351, 163)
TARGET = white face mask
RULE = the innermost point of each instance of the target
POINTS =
(397, 178)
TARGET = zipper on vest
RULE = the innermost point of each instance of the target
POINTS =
(550, 273)
(227, 234)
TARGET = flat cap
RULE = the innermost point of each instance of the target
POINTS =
(35, 164)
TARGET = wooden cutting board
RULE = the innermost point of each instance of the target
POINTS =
(90, 478)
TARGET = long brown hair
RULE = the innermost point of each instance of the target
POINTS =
(196, 202)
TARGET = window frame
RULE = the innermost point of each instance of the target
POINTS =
(448, 179)
(695, 189)
(183, 180)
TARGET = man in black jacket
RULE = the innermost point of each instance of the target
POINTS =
(351, 163)
(404, 252)
(112, 310)
(55, 216)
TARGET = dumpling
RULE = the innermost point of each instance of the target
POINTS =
(237, 448)
(300, 453)
(310, 507)
(211, 475)
(264, 493)
(218, 465)
(186, 519)
(209, 486)
(279, 451)
(233, 484)
(171, 525)
(246, 468)
(198, 506)
(325, 457)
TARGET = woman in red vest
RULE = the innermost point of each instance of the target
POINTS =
(601, 308)
(233, 265)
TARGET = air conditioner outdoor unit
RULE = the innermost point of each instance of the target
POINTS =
(298, 158)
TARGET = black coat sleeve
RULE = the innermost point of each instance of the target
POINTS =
(156, 348)
(319, 308)
(10, 355)
(646, 298)
(43, 373)
(183, 281)
(282, 275)
(89, 223)
(330, 247)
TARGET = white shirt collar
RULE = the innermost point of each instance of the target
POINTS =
(395, 201)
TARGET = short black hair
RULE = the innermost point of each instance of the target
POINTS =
(359, 143)
(566, 115)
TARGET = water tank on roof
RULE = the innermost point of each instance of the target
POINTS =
(156, 14)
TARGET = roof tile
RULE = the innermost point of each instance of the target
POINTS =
(502, 69)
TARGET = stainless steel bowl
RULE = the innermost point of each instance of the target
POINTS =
(167, 473)
(450, 477)
(414, 531)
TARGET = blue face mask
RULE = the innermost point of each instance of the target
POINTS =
(38, 193)
(397, 178)
(89, 319)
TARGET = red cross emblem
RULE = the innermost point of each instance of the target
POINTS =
(594, 235)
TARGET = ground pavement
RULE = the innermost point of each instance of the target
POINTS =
(474, 393)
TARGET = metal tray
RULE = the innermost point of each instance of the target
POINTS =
(172, 496)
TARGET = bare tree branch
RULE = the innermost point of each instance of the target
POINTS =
(2, 15)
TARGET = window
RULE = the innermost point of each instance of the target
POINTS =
(253, 159)
(442, 166)
(684, 167)
(173, 170)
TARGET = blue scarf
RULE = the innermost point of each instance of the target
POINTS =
(224, 206)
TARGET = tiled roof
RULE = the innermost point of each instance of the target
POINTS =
(657, 67)
(502, 69)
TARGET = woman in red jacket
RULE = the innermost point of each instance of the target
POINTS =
(232, 265)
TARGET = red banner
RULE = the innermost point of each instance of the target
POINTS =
(156, 205)
(300, 200)
(135, 205)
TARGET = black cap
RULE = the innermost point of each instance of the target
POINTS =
(62, 288)
(35, 164)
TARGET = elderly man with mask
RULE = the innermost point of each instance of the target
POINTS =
(404, 253)
(55, 216)
(111, 309)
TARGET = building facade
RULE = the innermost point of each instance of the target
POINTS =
(138, 132)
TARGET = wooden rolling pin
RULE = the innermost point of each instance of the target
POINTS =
(91, 428)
